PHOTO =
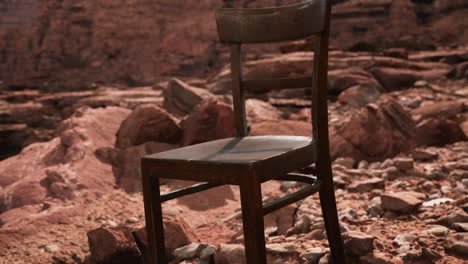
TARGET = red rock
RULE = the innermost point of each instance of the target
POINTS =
(126, 166)
(106, 244)
(359, 95)
(380, 131)
(438, 131)
(177, 234)
(57, 169)
(230, 254)
(181, 98)
(400, 202)
(342, 79)
(358, 243)
(459, 71)
(148, 123)
(258, 110)
(457, 243)
(210, 120)
(393, 79)
(274, 67)
(282, 127)
(439, 109)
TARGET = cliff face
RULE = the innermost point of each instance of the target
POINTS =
(66, 44)
(105, 40)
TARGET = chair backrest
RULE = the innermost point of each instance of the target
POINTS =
(237, 26)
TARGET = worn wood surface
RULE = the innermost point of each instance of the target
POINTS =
(260, 25)
(226, 161)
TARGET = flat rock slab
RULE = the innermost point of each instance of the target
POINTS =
(401, 202)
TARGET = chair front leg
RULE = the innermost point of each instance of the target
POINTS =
(252, 220)
(330, 215)
(156, 253)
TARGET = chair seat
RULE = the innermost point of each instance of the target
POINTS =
(224, 161)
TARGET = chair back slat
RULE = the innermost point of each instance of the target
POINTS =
(265, 85)
(262, 25)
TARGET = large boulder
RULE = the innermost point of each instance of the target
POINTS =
(180, 98)
(126, 162)
(148, 122)
(379, 131)
(209, 120)
(258, 110)
(360, 95)
(438, 131)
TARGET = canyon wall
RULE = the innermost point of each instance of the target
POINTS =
(72, 45)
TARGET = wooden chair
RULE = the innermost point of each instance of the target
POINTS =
(248, 161)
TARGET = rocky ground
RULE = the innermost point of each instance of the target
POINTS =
(398, 128)
(79, 109)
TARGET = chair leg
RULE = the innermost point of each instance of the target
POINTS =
(252, 220)
(330, 216)
(156, 253)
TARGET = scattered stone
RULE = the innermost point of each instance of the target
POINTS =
(401, 202)
(363, 164)
(457, 243)
(281, 248)
(107, 244)
(177, 234)
(438, 231)
(188, 252)
(386, 164)
(403, 164)
(423, 155)
(346, 162)
(420, 83)
(438, 201)
(51, 248)
(207, 254)
(375, 207)
(230, 254)
(367, 185)
(461, 227)
(301, 226)
(452, 218)
(313, 255)
(148, 123)
(405, 239)
(358, 243)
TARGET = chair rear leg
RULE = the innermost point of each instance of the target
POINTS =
(330, 216)
(156, 253)
(252, 220)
